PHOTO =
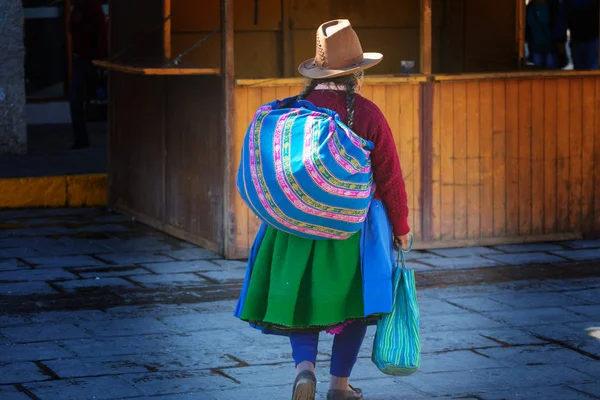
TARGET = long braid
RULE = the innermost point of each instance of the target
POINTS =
(308, 89)
(350, 96)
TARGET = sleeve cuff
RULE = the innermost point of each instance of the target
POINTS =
(401, 227)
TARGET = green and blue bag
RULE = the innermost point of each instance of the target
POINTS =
(397, 347)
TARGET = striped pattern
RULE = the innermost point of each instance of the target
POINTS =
(397, 348)
(302, 171)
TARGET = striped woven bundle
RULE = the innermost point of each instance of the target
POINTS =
(304, 172)
(397, 347)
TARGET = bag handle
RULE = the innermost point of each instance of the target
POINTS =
(401, 261)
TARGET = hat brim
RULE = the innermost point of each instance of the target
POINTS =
(309, 69)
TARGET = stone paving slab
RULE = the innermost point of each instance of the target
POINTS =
(64, 261)
(583, 244)
(109, 271)
(472, 261)
(174, 267)
(99, 388)
(534, 300)
(33, 352)
(133, 258)
(46, 274)
(128, 327)
(43, 333)
(526, 258)
(21, 372)
(12, 265)
(464, 252)
(579, 255)
(168, 279)
(535, 316)
(88, 284)
(548, 393)
(12, 393)
(26, 288)
(12, 320)
(191, 254)
(529, 247)
(538, 355)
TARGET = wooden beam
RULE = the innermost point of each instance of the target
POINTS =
(425, 37)
(167, 29)
(520, 32)
(228, 80)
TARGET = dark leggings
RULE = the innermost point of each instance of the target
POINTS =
(346, 346)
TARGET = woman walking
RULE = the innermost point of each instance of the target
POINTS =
(300, 287)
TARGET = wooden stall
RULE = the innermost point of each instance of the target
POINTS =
(491, 154)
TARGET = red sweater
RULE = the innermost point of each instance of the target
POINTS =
(370, 124)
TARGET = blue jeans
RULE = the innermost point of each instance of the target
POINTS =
(346, 346)
(585, 54)
(544, 60)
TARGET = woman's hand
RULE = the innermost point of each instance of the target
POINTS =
(402, 242)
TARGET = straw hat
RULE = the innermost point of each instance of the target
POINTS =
(338, 52)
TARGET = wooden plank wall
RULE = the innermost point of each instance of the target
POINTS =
(257, 35)
(388, 27)
(399, 102)
(167, 154)
(516, 158)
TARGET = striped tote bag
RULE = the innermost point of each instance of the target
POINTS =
(397, 347)
(303, 171)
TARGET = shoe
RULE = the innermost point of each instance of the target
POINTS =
(305, 386)
(352, 394)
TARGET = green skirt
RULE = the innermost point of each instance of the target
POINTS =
(301, 284)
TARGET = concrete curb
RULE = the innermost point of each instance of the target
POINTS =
(54, 191)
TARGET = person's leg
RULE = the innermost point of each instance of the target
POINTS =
(304, 350)
(551, 60)
(346, 346)
(77, 99)
(538, 59)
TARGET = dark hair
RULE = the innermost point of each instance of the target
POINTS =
(348, 81)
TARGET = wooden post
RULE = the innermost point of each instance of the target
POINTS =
(520, 32)
(426, 144)
(166, 30)
(425, 37)
(286, 30)
(228, 76)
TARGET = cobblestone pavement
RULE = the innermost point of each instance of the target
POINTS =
(95, 306)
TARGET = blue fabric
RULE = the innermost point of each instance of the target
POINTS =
(585, 54)
(545, 60)
(346, 346)
(304, 172)
(377, 260)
